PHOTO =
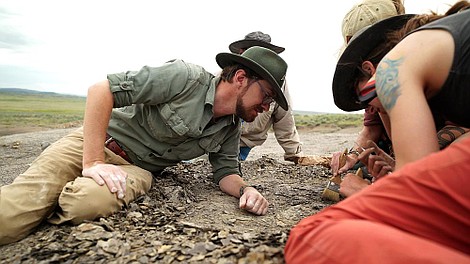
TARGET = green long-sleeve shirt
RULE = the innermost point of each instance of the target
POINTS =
(163, 115)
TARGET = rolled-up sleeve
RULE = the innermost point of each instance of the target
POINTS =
(225, 161)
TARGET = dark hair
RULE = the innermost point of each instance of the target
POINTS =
(229, 71)
(421, 20)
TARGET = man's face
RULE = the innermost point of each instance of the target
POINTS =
(368, 86)
(254, 99)
(375, 105)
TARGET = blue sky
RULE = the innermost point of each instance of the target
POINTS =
(66, 46)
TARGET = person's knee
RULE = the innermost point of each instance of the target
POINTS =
(84, 199)
(12, 230)
(22, 208)
(8, 236)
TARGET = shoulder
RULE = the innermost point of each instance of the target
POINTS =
(423, 59)
(180, 65)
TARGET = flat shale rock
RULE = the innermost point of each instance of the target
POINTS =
(184, 218)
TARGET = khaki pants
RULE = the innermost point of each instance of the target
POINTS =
(53, 188)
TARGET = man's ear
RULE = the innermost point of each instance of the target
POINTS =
(368, 67)
(239, 77)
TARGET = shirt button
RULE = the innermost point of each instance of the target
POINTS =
(124, 85)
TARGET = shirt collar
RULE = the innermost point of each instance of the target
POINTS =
(210, 97)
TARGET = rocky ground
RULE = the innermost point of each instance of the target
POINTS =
(185, 218)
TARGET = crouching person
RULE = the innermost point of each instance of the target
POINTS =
(137, 123)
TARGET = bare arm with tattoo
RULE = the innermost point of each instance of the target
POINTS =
(406, 78)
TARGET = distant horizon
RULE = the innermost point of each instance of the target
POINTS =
(39, 91)
(57, 50)
(298, 111)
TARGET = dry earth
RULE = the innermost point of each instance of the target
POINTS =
(185, 218)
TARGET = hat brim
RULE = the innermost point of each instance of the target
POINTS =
(344, 92)
(244, 44)
(226, 59)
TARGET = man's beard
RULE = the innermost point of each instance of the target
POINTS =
(242, 112)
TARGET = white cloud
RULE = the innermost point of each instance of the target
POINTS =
(65, 46)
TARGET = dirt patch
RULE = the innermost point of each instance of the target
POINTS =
(6, 130)
(185, 217)
(9, 130)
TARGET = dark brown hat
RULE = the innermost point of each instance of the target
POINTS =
(361, 44)
(256, 38)
(264, 62)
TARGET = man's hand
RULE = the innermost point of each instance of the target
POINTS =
(351, 160)
(253, 201)
(378, 162)
(352, 184)
(113, 176)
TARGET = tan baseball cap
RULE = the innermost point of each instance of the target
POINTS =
(365, 14)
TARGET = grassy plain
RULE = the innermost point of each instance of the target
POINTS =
(25, 112)
(327, 120)
(36, 111)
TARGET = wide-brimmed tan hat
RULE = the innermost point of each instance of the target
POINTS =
(256, 38)
(264, 62)
(361, 45)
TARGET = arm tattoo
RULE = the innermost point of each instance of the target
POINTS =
(388, 88)
(448, 134)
